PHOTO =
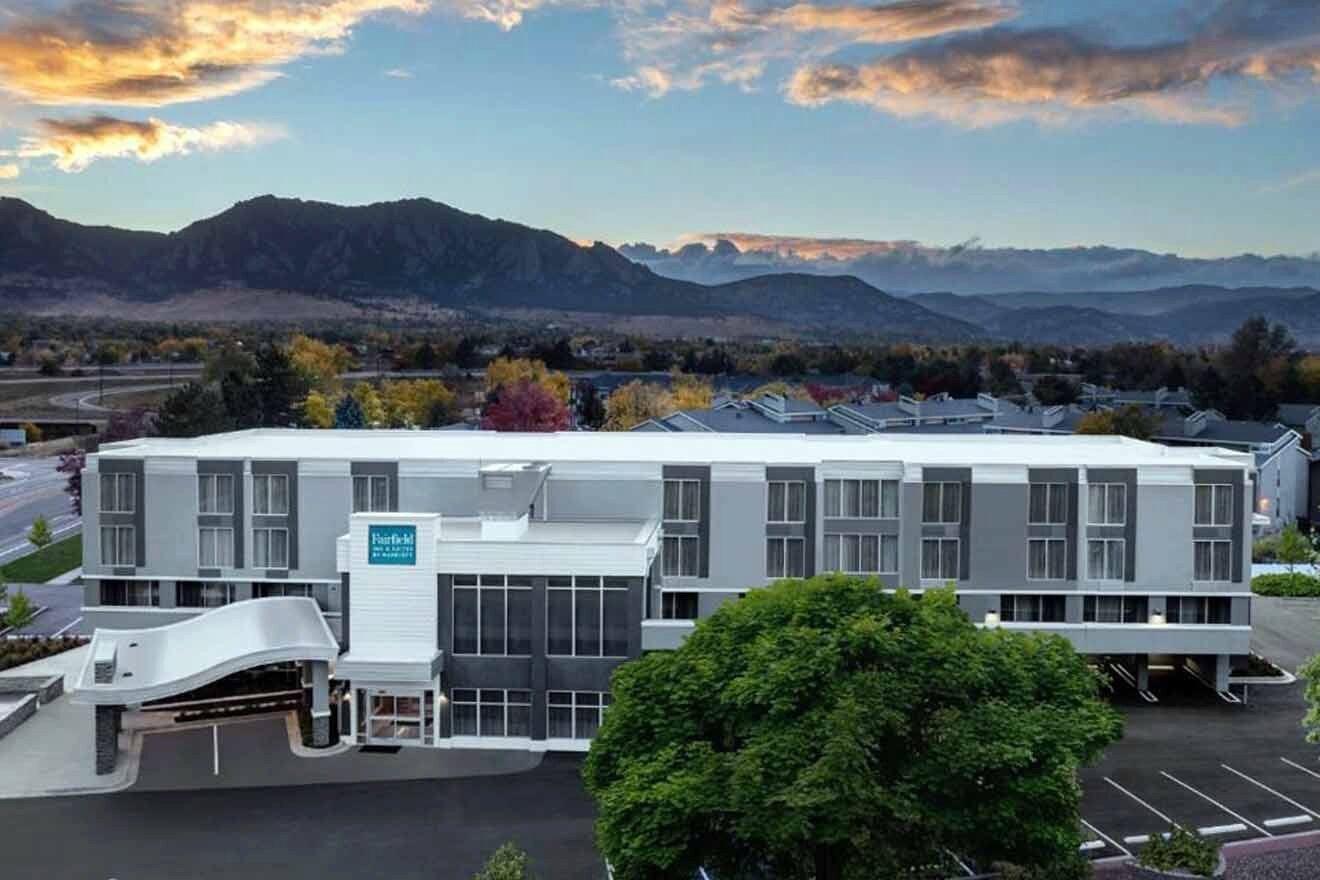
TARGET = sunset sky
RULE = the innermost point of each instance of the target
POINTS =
(1175, 125)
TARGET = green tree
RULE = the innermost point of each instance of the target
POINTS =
(39, 535)
(348, 413)
(1294, 549)
(789, 736)
(20, 611)
(1310, 673)
(506, 863)
(1254, 368)
(280, 388)
(192, 411)
(1126, 421)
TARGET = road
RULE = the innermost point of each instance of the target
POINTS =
(88, 400)
(38, 489)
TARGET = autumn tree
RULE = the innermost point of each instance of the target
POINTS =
(1127, 421)
(526, 406)
(413, 402)
(71, 465)
(319, 363)
(368, 400)
(630, 405)
(508, 371)
(316, 410)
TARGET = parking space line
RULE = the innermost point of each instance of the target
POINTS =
(1137, 839)
(1211, 800)
(215, 747)
(1105, 837)
(68, 626)
(1287, 820)
(1310, 812)
(1300, 767)
(1211, 830)
(1140, 801)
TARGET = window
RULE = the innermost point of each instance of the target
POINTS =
(1106, 504)
(941, 503)
(681, 557)
(1105, 559)
(118, 545)
(270, 548)
(862, 554)
(861, 499)
(215, 493)
(136, 593)
(683, 500)
(939, 558)
(491, 712)
(678, 606)
(575, 714)
(215, 547)
(1214, 505)
(399, 716)
(784, 557)
(587, 617)
(268, 590)
(1114, 609)
(787, 502)
(205, 594)
(493, 615)
(1047, 559)
(1213, 561)
(1197, 609)
(1048, 504)
(371, 494)
(1032, 609)
(118, 493)
(270, 494)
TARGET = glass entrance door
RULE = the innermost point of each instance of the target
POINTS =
(394, 717)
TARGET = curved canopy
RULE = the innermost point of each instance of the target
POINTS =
(131, 666)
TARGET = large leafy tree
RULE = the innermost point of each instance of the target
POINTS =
(192, 411)
(526, 406)
(826, 730)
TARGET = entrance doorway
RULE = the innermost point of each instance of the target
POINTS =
(396, 716)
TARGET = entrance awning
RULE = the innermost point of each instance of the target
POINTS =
(389, 664)
(127, 667)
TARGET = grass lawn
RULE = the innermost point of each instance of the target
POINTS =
(45, 564)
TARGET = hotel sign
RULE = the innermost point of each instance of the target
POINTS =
(391, 545)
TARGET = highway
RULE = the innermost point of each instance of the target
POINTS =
(36, 489)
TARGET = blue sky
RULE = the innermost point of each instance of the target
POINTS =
(1186, 127)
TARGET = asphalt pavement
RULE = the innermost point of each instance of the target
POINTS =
(34, 488)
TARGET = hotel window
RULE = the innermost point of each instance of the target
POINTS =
(1032, 609)
(491, 712)
(1105, 559)
(118, 493)
(1106, 504)
(861, 499)
(678, 606)
(1197, 609)
(681, 556)
(1048, 504)
(587, 617)
(215, 493)
(493, 615)
(941, 503)
(269, 590)
(270, 494)
(118, 545)
(206, 594)
(682, 500)
(861, 554)
(939, 558)
(1213, 561)
(371, 494)
(270, 548)
(787, 502)
(135, 593)
(785, 557)
(215, 547)
(575, 714)
(1114, 609)
(1047, 559)
(1214, 505)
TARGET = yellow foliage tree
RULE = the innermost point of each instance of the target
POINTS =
(634, 403)
(793, 392)
(318, 411)
(689, 392)
(507, 371)
(410, 403)
(373, 411)
(319, 362)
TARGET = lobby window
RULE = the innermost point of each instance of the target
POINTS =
(939, 558)
(371, 494)
(861, 499)
(786, 502)
(215, 547)
(861, 554)
(1198, 609)
(681, 556)
(941, 503)
(270, 548)
(493, 615)
(134, 593)
(1019, 608)
(1048, 504)
(270, 494)
(206, 594)
(587, 617)
(1106, 504)
(1213, 560)
(215, 493)
(785, 557)
(491, 712)
(1115, 609)
(682, 500)
(269, 589)
(1106, 559)
(679, 606)
(575, 714)
(118, 493)
(118, 545)
(1047, 559)
(1214, 505)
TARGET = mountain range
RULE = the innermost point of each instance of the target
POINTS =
(271, 258)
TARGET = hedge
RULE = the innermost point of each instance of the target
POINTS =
(1284, 584)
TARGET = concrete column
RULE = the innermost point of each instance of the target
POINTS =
(320, 675)
(1141, 671)
(1222, 667)
(107, 738)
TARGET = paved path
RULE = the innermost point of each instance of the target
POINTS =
(1286, 631)
(37, 489)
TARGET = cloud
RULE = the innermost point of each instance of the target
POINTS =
(1308, 178)
(399, 73)
(8, 171)
(150, 53)
(73, 145)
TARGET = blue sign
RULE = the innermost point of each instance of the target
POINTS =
(391, 545)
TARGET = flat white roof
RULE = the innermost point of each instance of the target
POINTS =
(674, 448)
(553, 532)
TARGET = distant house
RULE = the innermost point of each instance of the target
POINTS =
(1303, 418)
(907, 412)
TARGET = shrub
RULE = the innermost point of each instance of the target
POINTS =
(1181, 849)
(1265, 549)
(507, 863)
(31, 432)
(1284, 584)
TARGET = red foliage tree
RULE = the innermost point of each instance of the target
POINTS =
(71, 465)
(526, 406)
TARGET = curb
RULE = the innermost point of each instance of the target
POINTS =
(302, 751)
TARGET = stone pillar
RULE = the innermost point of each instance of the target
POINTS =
(320, 676)
(107, 738)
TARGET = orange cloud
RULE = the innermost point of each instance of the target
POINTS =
(8, 172)
(73, 145)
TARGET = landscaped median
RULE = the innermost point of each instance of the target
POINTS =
(1288, 584)
(48, 562)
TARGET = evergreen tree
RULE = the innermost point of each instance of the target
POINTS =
(242, 404)
(40, 535)
(192, 411)
(279, 386)
(590, 406)
(348, 413)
